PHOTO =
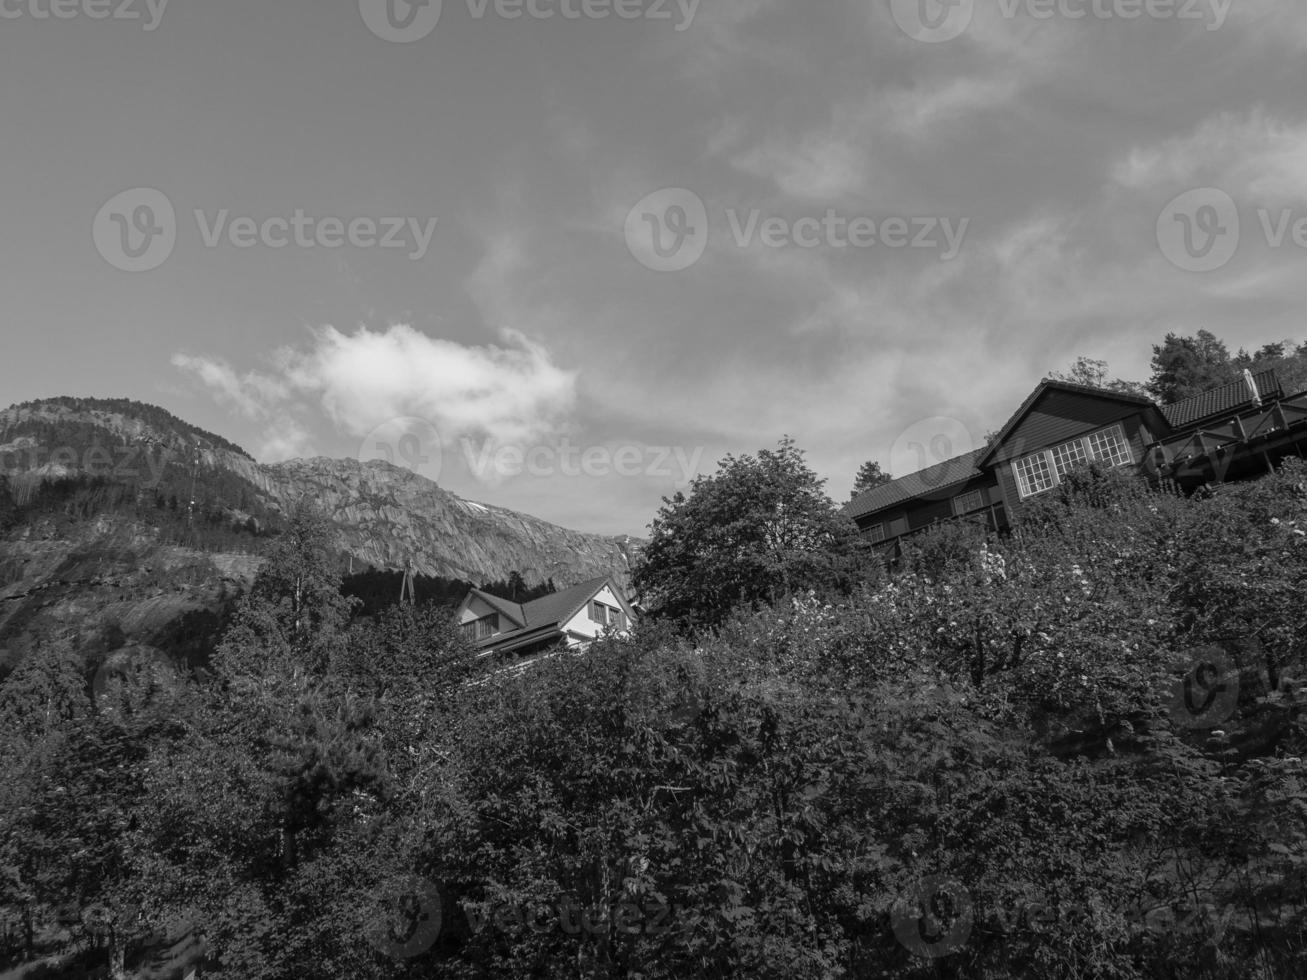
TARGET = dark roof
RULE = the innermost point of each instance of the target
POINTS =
(512, 610)
(548, 612)
(1218, 401)
(930, 480)
(559, 607)
(1050, 385)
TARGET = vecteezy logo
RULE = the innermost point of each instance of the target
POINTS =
(1199, 230)
(136, 230)
(932, 447)
(1208, 694)
(933, 21)
(411, 443)
(416, 926)
(934, 918)
(128, 677)
(401, 21)
(668, 230)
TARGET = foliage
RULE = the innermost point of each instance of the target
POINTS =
(1094, 374)
(760, 800)
(870, 476)
(757, 530)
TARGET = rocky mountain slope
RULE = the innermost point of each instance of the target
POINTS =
(100, 540)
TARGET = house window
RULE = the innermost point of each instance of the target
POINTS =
(1033, 475)
(877, 533)
(1110, 446)
(1068, 456)
(607, 616)
(483, 628)
(967, 502)
(1045, 469)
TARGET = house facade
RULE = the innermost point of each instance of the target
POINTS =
(573, 617)
(1239, 431)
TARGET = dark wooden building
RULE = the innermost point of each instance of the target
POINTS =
(1239, 431)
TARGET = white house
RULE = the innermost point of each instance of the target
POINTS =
(570, 618)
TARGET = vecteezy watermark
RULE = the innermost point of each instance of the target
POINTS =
(414, 926)
(492, 461)
(934, 918)
(1201, 230)
(1207, 696)
(119, 463)
(129, 675)
(1198, 231)
(415, 444)
(149, 11)
(410, 443)
(934, 21)
(573, 917)
(137, 230)
(406, 21)
(936, 449)
(668, 231)
(415, 918)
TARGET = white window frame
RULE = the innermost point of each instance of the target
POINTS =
(1055, 461)
(877, 533)
(606, 615)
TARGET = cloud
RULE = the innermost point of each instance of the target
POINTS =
(1250, 155)
(508, 393)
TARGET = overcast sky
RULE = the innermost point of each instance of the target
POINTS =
(878, 224)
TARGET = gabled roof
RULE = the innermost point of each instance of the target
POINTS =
(549, 613)
(1219, 401)
(1050, 385)
(509, 608)
(930, 480)
(559, 607)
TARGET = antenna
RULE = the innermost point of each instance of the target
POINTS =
(408, 590)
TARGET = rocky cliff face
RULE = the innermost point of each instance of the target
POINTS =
(386, 516)
(118, 575)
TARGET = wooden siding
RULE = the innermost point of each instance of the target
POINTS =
(1058, 417)
(923, 512)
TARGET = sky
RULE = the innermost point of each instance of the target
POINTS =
(562, 255)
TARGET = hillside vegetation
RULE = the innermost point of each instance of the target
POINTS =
(1073, 753)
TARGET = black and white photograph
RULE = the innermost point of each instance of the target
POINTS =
(653, 489)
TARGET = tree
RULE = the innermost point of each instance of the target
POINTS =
(1288, 363)
(1188, 366)
(869, 477)
(8, 509)
(758, 529)
(295, 609)
(1093, 373)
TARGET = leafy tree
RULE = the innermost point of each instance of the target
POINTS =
(1094, 374)
(869, 477)
(757, 530)
(295, 611)
(1188, 366)
(1288, 363)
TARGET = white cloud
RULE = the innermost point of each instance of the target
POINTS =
(363, 380)
(1250, 155)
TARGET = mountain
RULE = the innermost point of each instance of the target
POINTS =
(120, 522)
(386, 515)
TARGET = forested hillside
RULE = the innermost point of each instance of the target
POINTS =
(1073, 753)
